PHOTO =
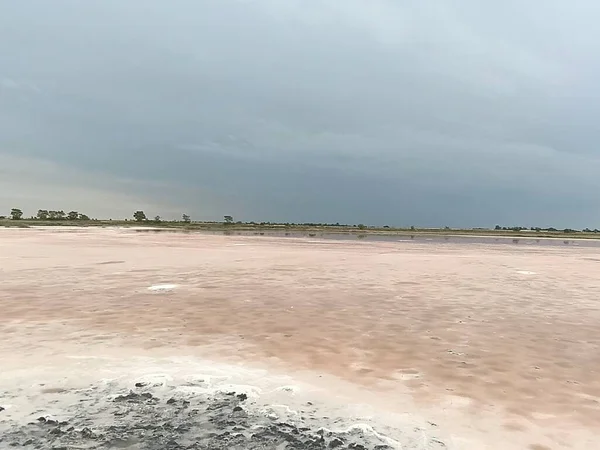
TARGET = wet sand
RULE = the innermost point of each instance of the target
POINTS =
(496, 345)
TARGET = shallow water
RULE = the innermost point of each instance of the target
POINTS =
(494, 344)
(536, 238)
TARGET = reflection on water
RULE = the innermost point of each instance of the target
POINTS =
(426, 238)
(421, 238)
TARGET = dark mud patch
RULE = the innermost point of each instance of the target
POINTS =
(170, 421)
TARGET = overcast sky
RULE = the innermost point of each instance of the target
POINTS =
(457, 113)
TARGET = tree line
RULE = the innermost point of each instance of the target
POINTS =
(140, 216)
(44, 214)
(548, 230)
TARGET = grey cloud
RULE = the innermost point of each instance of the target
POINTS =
(314, 110)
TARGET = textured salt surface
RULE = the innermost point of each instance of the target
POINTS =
(495, 344)
(126, 398)
(140, 419)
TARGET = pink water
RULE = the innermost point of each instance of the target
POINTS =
(502, 340)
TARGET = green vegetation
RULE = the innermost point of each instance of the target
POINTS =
(139, 216)
(16, 214)
(44, 214)
(229, 225)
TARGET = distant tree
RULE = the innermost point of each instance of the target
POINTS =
(361, 226)
(186, 218)
(56, 215)
(228, 220)
(42, 214)
(139, 216)
(157, 218)
(84, 217)
(73, 215)
(412, 228)
(16, 214)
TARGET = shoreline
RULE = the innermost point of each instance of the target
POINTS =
(374, 235)
(218, 227)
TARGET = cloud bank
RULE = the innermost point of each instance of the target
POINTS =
(378, 112)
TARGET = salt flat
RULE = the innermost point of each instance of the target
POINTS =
(494, 346)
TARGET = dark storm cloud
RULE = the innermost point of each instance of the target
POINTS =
(354, 111)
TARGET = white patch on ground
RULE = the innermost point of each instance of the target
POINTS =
(457, 401)
(368, 429)
(156, 379)
(291, 389)
(162, 287)
(542, 416)
(285, 409)
(526, 272)
(403, 376)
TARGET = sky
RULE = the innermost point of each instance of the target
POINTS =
(383, 112)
